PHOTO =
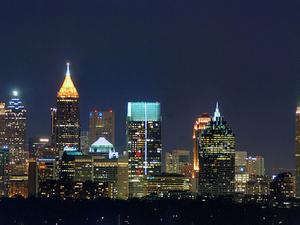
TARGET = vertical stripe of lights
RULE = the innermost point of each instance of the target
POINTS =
(146, 138)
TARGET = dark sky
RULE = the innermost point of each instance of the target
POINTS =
(185, 54)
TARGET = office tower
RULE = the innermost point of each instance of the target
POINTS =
(283, 186)
(4, 171)
(2, 124)
(144, 146)
(241, 174)
(255, 166)
(84, 141)
(18, 186)
(178, 161)
(103, 148)
(102, 124)
(199, 126)
(164, 184)
(216, 158)
(15, 133)
(297, 151)
(67, 116)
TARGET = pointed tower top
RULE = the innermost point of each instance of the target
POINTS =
(68, 69)
(68, 89)
(217, 112)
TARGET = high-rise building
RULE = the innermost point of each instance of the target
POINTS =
(297, 151)
(178, 161)
(144, 145)
(199, 126)
(241, 174)
(102, 124)
(15, 134)
(255, 166)
(217, 158)
(2, 124)
(67, 131)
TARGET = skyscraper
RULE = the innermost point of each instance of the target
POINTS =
(297, 152)
(216, 158)
(67, 132)
(101, 124)
(15, 133)
(199, 126)
(144, 145)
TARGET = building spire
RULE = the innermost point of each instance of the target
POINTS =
(68, 89)
(68, 69)
(217, 112)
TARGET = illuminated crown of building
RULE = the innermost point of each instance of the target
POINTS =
(217, 112)
(68, 89)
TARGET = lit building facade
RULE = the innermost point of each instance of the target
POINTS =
(283, 186)
(255, 166)
(258, 185)
(67, 127)
(163, 184)
(241, 174)
(144, 145)
(179, 162)
(217, 158)
(199, 126)
(101, 124)
(2, 124)
(297, 151)
(15, 134)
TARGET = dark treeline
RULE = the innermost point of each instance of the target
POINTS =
(141, 212)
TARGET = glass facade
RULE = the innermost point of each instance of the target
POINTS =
(143, 144)
(217, 158)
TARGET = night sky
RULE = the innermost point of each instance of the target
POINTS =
(185, 54)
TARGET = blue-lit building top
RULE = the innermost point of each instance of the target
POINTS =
(143, 111)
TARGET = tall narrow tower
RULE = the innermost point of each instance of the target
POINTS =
(297, 152)
(15, 133)
(67, 115)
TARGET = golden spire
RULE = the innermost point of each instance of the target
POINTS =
(68, 89)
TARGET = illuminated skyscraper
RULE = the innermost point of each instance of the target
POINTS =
(144, 144)
(15, 133)
(102, 124)
(199, 126)
(216, 158)
(297, 152)
(67, 132)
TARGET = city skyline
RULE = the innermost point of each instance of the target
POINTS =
(85, 120)
(242, 59)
